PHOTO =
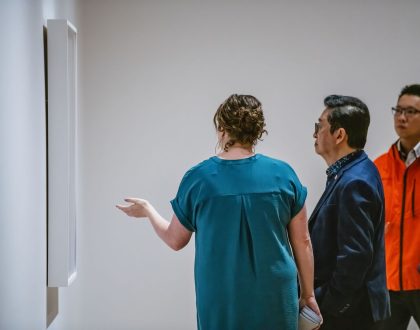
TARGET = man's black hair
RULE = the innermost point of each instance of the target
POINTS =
(351, 114)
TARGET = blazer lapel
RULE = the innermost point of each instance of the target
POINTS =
(327, 192)
(329, 189)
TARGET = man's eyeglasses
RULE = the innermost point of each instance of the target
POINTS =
(408, 112)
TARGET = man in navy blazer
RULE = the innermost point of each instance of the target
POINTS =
(347, 224)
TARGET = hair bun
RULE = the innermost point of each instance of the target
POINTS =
(241, 116)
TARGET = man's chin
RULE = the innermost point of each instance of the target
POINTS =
(402, 133)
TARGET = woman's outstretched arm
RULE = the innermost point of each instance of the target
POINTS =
(173, 233)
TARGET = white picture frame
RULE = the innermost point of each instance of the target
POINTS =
(61, 153)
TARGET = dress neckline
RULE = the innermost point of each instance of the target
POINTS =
(236, 161)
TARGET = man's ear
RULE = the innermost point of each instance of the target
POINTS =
(340, 135)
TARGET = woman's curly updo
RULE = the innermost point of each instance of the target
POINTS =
(242, 118)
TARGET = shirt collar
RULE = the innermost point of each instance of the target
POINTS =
(411, 156)
(343, 161)
(416, 150)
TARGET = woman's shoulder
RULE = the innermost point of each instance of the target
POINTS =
(199, 169)
(280, 168)
(275, 162)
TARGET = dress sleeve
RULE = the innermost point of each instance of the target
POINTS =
(184, 202)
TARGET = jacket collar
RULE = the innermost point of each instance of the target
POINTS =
(335, 168)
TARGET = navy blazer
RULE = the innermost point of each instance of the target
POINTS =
(347, 232)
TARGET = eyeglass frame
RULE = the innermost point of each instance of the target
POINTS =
(408, 112)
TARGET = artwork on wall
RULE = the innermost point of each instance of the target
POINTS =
(61, 145)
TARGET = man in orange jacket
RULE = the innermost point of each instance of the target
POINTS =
(400, 172)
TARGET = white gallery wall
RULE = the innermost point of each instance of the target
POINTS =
(23, 240)
(153, 74)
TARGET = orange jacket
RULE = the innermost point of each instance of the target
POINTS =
(402, 220)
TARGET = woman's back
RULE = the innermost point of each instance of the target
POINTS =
(244, 271)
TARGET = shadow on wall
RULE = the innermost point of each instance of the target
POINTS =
(52, 305)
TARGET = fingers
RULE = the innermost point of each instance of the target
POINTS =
(124, 208)
(131, 200)
(137, 207)
(127, 209)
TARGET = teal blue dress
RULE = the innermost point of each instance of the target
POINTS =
(245, 275)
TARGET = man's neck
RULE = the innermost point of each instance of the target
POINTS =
(408, 144)
(340, 153)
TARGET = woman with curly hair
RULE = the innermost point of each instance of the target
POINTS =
(248, 214)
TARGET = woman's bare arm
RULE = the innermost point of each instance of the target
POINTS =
(173, 233)
(302, 249)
